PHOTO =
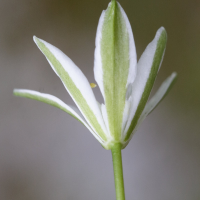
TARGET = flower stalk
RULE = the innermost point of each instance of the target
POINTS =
(118, 171)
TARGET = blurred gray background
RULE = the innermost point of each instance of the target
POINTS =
(46, 154)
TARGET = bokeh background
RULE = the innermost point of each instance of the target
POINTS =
(46, 154)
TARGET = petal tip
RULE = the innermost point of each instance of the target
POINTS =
(34, 38)
(161, 37)
(16, 92)
(161, 28)
(161, 31)
(174, 76)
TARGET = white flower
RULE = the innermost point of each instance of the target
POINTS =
(124, 83)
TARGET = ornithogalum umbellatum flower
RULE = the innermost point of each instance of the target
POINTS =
(124, 83)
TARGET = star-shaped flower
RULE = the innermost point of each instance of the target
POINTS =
(124, 83)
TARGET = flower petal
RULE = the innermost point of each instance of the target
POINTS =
(156, 99)
(115, 62)
(147, 67)
(76, 84)
(54, 101)
(159, 96)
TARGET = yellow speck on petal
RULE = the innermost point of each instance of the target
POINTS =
(93, 85)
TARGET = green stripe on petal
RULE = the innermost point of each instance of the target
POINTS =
(54, 101)
(115, 63)
(76, 84)
(148, 67)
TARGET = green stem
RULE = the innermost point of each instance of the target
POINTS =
(118, 171)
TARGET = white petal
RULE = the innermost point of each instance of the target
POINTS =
(156, 99)
(98, 71)
(76, 84)
(147, 67)
(115, 63)
(160, 94)
(54, 101)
